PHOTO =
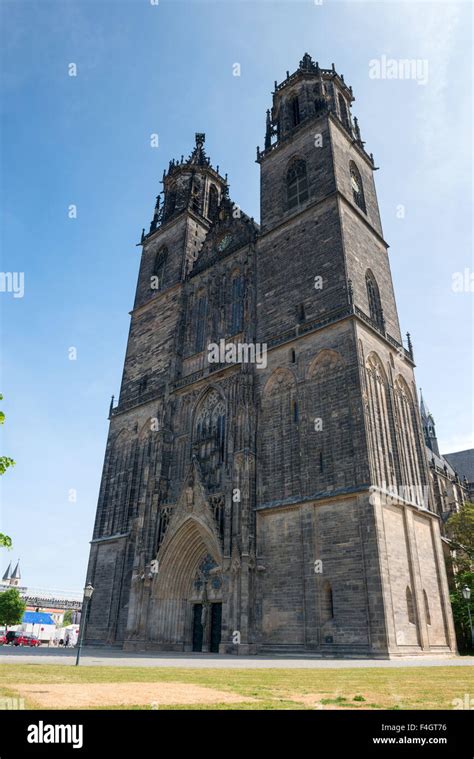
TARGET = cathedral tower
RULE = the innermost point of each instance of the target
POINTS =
(279, 504)
(341, 468)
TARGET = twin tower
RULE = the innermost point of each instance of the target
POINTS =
(285, 504)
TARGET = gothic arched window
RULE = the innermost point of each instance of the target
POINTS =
(357, 187)
(411, 455)
(294, 111)
(373, 297)
(279, 436)
(297, 183)
(379, 411)
(237, 311)
(212, 202)
(343, 112)
(170, 201)
(201, 319)
(328, 441)
(209, 436)
(159, 269)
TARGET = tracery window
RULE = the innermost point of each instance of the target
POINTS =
(279, 436)
(357, 187)
(373, 296)
(159, 269)
(212, 203)
(297, 183)
(209, 437)
(295, 111)
(343, 112)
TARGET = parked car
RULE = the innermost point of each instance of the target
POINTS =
(3, 639)
(25, 639)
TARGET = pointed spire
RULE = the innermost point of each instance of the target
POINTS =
(198, 156)
(423, 409)
(8, 570)
(429, 428)
(16, 574)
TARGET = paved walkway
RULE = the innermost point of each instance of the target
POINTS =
(116, 658)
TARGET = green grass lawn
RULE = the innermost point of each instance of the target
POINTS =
(400, 688)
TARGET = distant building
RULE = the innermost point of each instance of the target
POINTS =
(449, 488)
(12, 579)
(52, 602)
(463, 463)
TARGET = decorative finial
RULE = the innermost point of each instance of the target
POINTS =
(356, 128)
(268, 131)
(200, 138)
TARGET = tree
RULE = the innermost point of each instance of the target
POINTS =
(5, 462)
(67, 619)
(12, 607)
(460, 531)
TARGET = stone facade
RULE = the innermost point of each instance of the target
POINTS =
(277, 504)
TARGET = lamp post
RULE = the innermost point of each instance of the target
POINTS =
(466, 593)
(88, 591)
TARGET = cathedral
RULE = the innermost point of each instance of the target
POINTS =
(265, 487)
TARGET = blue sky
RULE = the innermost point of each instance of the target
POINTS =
(85, 140)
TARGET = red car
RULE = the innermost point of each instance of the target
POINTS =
(3, 639)
(24, 639)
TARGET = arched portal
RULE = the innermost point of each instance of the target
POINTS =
(186, 598)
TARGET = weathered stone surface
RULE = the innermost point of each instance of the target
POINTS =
(246, 507)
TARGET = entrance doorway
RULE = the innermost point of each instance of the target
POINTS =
(197, 627)
(216, 622)
(215, 631)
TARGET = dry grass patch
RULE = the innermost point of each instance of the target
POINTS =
(78, 696)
